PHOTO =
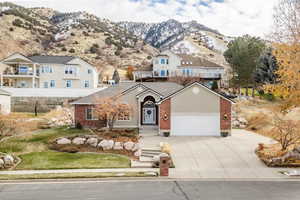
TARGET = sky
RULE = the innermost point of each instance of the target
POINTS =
(230, 17)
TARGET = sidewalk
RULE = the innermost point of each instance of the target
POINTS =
(115, 170)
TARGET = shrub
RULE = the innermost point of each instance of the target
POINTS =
(96, 46)
(149, 57)
(117, 53)
(108, 41)
(64, 49)
(17, 22)
(72, 50)
(215, 86)
(11, 29)
(72, 34)
(76, 42)
(93, 49)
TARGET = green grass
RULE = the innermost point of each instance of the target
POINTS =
(74, 175)
(35, 154)
(39, 139)
(60, 160)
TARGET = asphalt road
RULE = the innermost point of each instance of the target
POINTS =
(152, 190)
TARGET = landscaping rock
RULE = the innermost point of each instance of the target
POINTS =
(138, 153)
(129, 145)
(92, 142)
(63, 141)
(8, 160)
(106, 144)
(78, 140)
(1, 164)
(118, 146)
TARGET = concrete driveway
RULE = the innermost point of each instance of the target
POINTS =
(216, 157)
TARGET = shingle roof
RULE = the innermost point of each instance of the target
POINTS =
(192, 61)
(3, 92)
(52, 59)
(163, 88)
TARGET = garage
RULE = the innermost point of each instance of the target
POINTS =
(195, 110)
(195, 125)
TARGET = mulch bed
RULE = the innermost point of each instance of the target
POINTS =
(271, 151)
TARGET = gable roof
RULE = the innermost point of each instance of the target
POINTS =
(192, 61)
(192, 84)
(16, 54)
(52, 59)
(162, 88)
(3, 92)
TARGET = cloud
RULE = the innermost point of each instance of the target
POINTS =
(230, 17)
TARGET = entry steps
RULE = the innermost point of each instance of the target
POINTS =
(146, 159)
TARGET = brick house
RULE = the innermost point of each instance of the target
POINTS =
(194, 110)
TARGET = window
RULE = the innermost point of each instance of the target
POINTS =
(23, 69)
(167, 61)
(162, 61)
(124, 116)
(45, 84)
(91, 114)
(162, 73)
(86, 84)
(47, 69)
(23, 84)
(70, 70)
(89, 71)
(68, 83)
(52, 83)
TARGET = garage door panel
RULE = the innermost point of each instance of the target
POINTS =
(191, 124)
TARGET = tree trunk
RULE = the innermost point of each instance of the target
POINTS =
(110, 124)
(35, 108)
(253, 90)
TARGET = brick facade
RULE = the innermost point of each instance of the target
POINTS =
(80, 118)
(225, 114)
(165, 115)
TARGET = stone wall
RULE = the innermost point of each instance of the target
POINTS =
(45, 104)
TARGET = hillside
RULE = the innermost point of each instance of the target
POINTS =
(46, 31)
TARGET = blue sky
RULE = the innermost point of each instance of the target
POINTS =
(230, 17)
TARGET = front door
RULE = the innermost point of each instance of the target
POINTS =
(149, 116)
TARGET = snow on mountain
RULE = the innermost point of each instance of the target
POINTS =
(165, 34)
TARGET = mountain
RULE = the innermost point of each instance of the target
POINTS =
(46, 31)
(182, 37)
(168, 33)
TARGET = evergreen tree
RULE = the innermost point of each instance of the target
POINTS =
(266, 68)
(243, 54)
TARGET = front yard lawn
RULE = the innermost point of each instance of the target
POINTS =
(60, 160)
(34, 151)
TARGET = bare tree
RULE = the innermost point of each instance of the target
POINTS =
(110, 109)
(287, 21)
(286, 132)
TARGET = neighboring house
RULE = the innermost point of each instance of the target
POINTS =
(5, 102)
(47, 72)
(168, 64)
(182, 111)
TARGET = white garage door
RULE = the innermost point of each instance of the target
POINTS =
(195, 125)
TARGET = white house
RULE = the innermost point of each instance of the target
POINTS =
(19, 71)
(168, 64)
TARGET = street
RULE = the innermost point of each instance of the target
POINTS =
(151, 190)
